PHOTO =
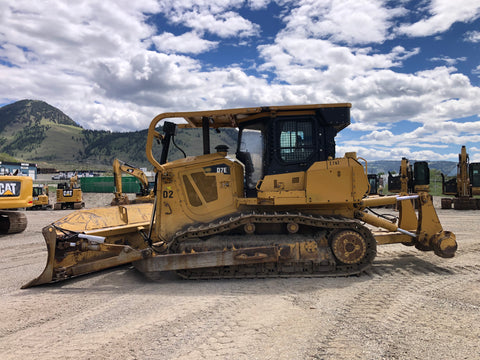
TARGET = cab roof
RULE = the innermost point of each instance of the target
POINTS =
(235, 117)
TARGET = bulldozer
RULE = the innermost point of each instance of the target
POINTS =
(15, 193)
(69, 195)
(145, 195)
(280, 204)
(463, 186)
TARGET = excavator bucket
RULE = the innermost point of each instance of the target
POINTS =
(90, 240)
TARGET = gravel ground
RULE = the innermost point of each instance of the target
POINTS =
(410, 305)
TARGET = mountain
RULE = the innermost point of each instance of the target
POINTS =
(30, 112)
(34, 131)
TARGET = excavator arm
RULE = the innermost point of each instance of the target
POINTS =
(120, 167)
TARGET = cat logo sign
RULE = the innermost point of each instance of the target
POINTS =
(9, 188)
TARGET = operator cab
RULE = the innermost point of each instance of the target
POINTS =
(271, 140)
(283, 144)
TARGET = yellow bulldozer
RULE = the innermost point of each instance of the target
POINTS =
(280, 204)
(15, 193)
(144, 196)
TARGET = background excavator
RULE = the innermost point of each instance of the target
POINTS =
(15, 192)
(463, 186)
(145, 195)
(69, 195)
(281, 204)
(410, 181)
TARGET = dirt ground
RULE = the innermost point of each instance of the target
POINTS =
(410, 305)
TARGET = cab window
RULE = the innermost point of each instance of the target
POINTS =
(296, 141)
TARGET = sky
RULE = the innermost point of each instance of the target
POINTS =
(410, 69)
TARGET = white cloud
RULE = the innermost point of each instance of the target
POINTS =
(472, 36)
(442, 14)
(347, 21)
(368, 80)
(377, 136)
(295, 59)
(448, 60)
(358, 126)
(225, 25)
(214, 16)
(258, 4)
(188, 43)
(371, 153)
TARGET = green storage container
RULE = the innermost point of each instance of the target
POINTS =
(105, 184)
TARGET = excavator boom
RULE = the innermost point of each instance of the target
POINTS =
(120, 198)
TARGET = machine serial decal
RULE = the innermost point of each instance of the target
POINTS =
(167, 194)
(218, 169)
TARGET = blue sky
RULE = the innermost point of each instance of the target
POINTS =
(411, 69)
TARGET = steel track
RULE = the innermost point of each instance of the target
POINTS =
(200, 236)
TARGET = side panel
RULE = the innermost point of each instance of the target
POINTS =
(341, 180)
(198, 191)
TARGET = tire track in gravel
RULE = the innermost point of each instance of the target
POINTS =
(241, 324)
(208, 319)
(90, 325)
(400, 288)
(14, 257)
(376, 309)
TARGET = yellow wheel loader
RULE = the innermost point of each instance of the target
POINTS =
(15, 192)
(145, 195)
(279, 204)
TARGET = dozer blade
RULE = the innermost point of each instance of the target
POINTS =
(90, 240)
